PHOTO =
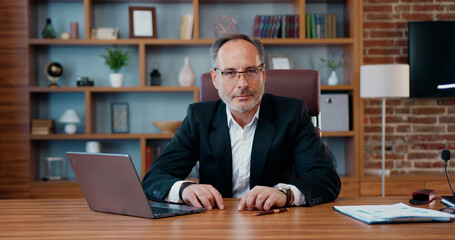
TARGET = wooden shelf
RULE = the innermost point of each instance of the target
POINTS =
(196, 42)
(111, 89)
(100, 136)
(338, 134)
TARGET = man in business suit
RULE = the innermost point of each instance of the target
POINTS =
(255, 146)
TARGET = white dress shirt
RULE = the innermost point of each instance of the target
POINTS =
(241, 145)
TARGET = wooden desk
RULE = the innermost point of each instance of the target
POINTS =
(72, 219)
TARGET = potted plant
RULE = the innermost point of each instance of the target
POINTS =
(116, 58)
(333, 65)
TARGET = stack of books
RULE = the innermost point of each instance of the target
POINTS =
(104, 33)
(42, 126)
(276, 26)
(321, 25)
(186, 27)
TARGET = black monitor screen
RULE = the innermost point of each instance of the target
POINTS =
(432, 59)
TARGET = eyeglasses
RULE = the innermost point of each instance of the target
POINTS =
(249, 74)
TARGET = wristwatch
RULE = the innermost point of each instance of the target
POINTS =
(286, 189)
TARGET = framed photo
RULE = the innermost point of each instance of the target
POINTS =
(120, 117)
(280, 61)
(142, 22)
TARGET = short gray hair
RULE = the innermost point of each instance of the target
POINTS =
(222, 40)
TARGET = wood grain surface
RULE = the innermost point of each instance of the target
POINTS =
(72, 219)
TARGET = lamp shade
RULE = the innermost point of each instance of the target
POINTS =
(70, 116)
(384, 80)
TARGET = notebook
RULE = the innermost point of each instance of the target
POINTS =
(110, 184)
(395, 213)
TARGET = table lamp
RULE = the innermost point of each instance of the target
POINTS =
(382, 81)
(70, 117)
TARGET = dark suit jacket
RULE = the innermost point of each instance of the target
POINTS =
(286, 149)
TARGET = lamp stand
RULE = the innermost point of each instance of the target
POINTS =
(383, 147)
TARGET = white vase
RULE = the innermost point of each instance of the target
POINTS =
(333, 79)
(116, 79)
(186, 75)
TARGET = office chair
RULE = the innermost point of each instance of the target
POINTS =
(295, 83)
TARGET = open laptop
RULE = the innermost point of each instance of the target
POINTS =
(110, 184)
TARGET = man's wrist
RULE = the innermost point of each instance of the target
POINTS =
(286, 189)
(182, 187)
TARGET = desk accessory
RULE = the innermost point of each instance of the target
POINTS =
(271, 211)
(395, 213)
(447, 200)
(422, 196)
(70, 118)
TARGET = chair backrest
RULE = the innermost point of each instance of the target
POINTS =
(295, 83)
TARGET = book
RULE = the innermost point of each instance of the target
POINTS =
(395, 213)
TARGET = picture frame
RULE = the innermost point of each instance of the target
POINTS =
(120, 121)
(142, 22)
(280, 61)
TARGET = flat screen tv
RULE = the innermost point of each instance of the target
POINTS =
(432, 59)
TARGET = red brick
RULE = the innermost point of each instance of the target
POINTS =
(383, 51)
(387, 34)
(402, 8)
(374, 25)
(428, 146)
(372, 129)
(372, 102)
(431, 137)
(394, 102)
(417, 16)
(377, 8)
(422, 120)
(369, 110)
(422, 155)
(445, 16)
(446, 101)
(401, 60)
(450, 137)
(443, 119)
(402, 110)
(404, 128)
(427, 7)
(429, 110)
(377, 60)
(376, 43)
(428, 129)
(380, 1)
(402, 43)
(380, 16)
(451, 128)
(416, 1)
(451, 110)
(426, 101)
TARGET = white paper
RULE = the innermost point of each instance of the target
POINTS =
(143, 26)
(389, 213)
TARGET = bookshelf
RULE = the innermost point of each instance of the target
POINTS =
(169, 101)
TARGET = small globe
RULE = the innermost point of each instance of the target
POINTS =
(54, 69)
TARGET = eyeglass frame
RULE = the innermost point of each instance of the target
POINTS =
(260, 68)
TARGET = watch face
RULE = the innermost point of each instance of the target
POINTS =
(283, 186)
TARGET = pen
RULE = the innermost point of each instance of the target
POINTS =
(271, 211)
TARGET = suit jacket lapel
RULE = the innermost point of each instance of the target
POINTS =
(263, 137)
(221, 145)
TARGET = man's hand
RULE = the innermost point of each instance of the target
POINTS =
(203, 195)
(263, 198)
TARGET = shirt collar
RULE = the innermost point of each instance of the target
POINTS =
(230, 118)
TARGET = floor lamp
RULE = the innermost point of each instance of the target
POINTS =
(383, 81)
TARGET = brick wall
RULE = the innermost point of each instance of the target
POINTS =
(416, 129)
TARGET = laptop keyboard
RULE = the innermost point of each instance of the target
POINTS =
(160, 210)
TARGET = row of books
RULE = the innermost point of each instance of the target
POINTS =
(321, 25)
(42, 126)
(276, 26)
(186, 27)
(151, 153)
